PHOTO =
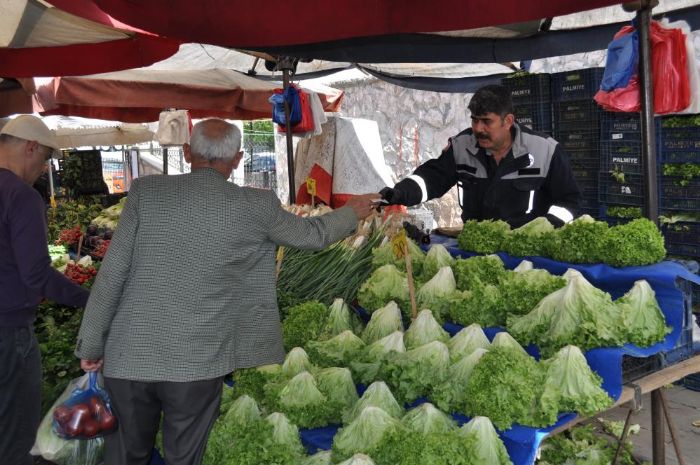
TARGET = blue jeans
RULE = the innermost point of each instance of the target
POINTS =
(20, 394)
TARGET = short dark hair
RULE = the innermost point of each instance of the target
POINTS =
(491, 99)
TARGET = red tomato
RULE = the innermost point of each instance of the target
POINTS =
(90, 428)
(107, 422)
(61, 414)
(97, 407)
(80, 413)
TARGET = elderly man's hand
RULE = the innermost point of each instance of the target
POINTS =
(363, 205)
(90, 365)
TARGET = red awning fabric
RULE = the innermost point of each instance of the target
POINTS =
(39, 40)
(136, 96)
(281, 22)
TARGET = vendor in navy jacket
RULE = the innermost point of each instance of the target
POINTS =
(503, 170)
(26, 276)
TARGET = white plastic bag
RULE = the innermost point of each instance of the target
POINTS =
(61, 451)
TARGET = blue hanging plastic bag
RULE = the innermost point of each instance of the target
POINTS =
(622, 62)
(86, 413)
(291, 94)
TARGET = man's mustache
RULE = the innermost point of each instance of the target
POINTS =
(482, 136)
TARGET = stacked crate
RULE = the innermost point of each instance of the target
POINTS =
(576, 119)
(622, 171)
(679, 182)
(531, 99)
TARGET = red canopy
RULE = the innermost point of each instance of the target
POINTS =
(40, 40)
(245, 23)
(137, 96)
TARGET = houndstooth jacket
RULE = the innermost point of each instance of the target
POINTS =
(187, 290)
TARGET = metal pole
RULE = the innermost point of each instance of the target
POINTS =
(165, 160)
(290, 144)
(651, 193)
(658, 429)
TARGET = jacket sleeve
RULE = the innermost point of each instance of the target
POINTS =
(430, 180)
(288, 229)
(562, 189)
(28, 239)
(109, 284)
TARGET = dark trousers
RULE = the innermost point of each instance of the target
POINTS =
(189, 411)
(20, 394)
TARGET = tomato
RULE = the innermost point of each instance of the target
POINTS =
(97, 407)
(80, 413)
(90, 428)
(61, 414)
(107, 422)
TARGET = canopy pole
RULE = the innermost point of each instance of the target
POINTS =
(290, 143)
(288, 65)
(648, 133)
(165, 160)
(651, 193)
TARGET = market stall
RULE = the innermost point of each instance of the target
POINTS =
(316, 398)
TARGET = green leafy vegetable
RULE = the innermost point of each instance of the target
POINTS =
(385, 284)
(341, 318)
(638, 242)
(466, 341)
(450, 394)
(338, 387)
(529, 239)
(434, 294)
(641, 315)
(304, 323)
(483, 305)
(581, 241)
(521, 291)
(383, 322)
(251, 381)
(483, 236)
(505, 386)
(384, 255)
(376, 395)
(338, 350)
(474, 271)
(424, 329)
(302, 401)
(427, 419)
(436, 258)
(244, 411)
(415, 373)
(364, 433)
(296, 362)
(489, 449)
(368, 364)
(571, 386)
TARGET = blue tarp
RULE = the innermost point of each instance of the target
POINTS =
(522, 442)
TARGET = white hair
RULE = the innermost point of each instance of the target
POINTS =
(215, 139)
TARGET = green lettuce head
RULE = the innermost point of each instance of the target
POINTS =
(424, 329)
(383, 322)
(489, 447)
(466, 341)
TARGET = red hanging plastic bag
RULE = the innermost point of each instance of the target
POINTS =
(669, 73)
(670, 69)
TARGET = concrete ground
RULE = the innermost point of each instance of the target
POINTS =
(684, 406)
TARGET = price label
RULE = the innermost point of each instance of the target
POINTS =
(311, 186)
(280, 254)
(399, 244)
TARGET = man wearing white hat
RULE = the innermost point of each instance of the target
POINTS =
(26, 276)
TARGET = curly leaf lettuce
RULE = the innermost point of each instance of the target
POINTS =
(475, 271)
(415, 373)
(483, 236)
(450, 394)
(385, 284)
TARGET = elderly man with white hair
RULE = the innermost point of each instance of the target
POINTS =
(187, 294)
(26, 277)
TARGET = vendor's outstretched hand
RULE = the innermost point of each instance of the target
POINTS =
(90, 365)
(363, 205)
(392, 196)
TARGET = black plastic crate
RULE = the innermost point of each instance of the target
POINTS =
(612, 122)
(680, 144)
(576, 140)
(582, 172)
(634, 367)
(590, 203)
(629, 191)
(588, 187)
(593, 212)
(682, 238)
(576, 85)
(674, 195)
(692, 382)
(528, 88)
(576, 115)
(536, 116)
(624, 163)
